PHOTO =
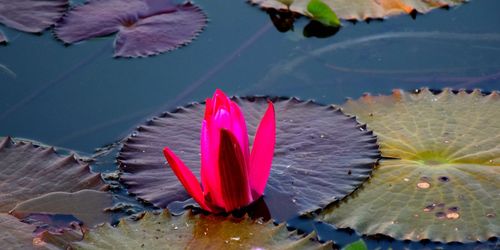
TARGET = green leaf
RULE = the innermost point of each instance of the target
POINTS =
(441, 175)
(188, 231)
(322, 13)
(357, 245)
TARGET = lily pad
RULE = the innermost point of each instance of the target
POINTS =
(28, 171)
(144, 27)
(443, 179)
(191, 232)
(321, 155)
(31, 15)
(86, 205)
(360, 9)
(15, 234)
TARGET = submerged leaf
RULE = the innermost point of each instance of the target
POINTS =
(86, 205)
(361, 9)
(31, 15)
(28, 171)
(15, 234)
(443, 183)
(3, 38)
(322, 13)
(190, 232)
(315, 163)
(144, 27)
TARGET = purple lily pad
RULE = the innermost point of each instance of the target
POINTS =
(145, 27)
(28, 171)
(31, 15)
(321, 155)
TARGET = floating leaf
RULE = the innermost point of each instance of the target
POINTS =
(28, 171)
(303, 175)
(15, 234)
(360, 9)
(145, 27)
(192, 232)
(443, 183)
(357, 245)
(322, 13)
(86, 205)
(31, 15)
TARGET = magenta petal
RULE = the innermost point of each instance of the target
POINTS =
(261, 157)
(239, 129)
(31, 15)
(186, 177)
(235, 186)
(209, 145)
(160, 33)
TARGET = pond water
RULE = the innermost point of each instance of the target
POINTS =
(80, 98)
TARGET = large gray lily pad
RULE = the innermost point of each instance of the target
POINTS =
(443, 180)
(321, 155)
(28, 171)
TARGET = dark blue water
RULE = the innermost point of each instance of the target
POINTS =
(80, 98)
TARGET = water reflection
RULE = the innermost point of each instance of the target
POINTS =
(284, 21)
(317, 29)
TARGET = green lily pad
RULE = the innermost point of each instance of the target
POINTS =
(28, 170)
(321, 12)
(86, 205)
(15, 234)
(443, 179)
(360, 9)
(190, 231)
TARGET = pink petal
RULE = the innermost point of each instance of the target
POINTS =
(220, 101)
(208, 108)
(261, 157)
(186, 177)
(235, 185)
(239, 129)
(209, 145)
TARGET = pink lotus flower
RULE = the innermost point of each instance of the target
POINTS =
(231, 176)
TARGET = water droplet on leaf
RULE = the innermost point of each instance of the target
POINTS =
(423, 185)
(453, 215)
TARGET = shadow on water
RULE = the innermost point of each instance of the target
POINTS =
(284, 21)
